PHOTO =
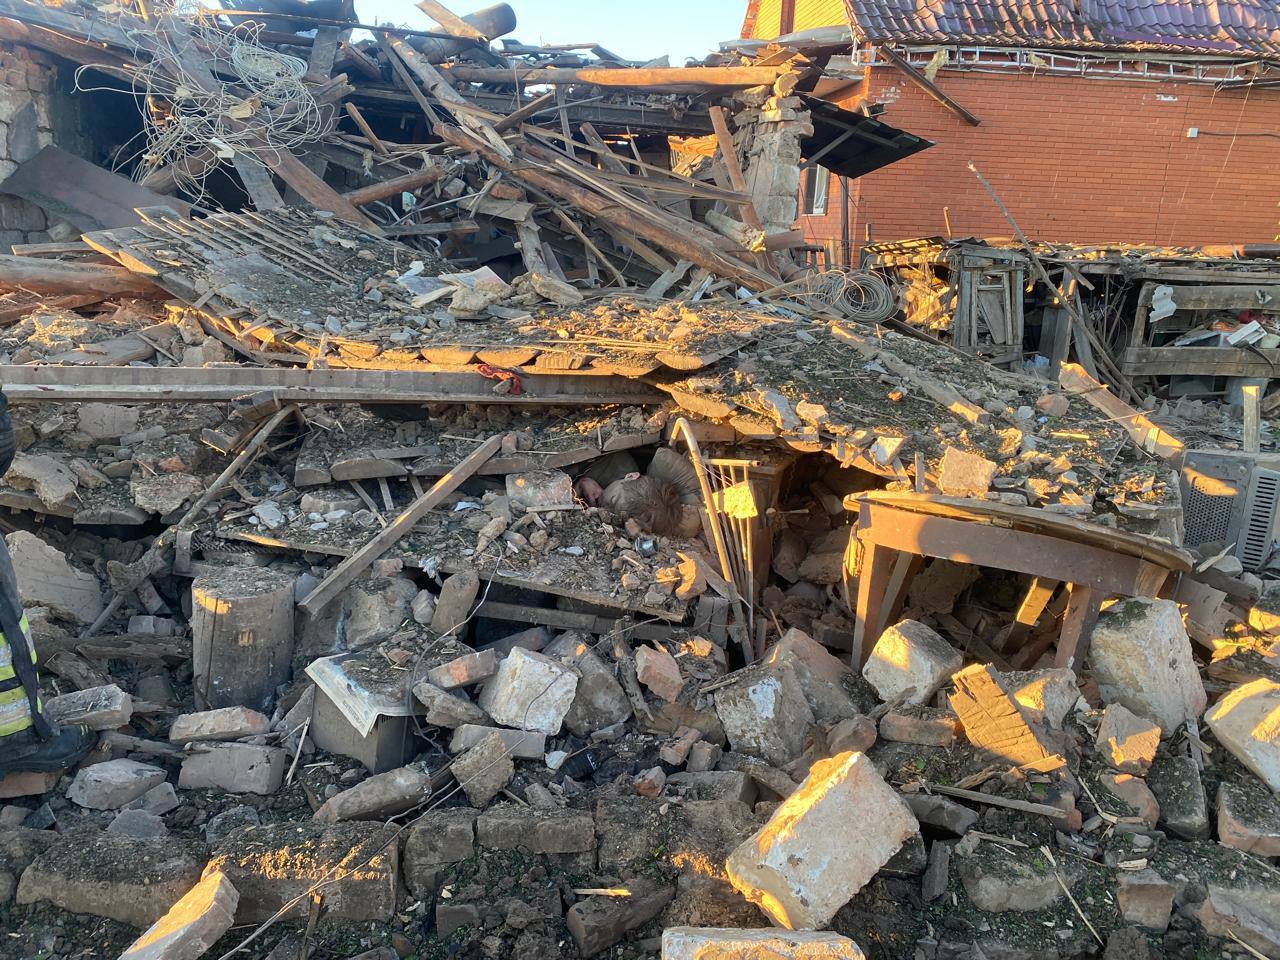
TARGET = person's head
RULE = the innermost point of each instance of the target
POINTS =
(650, 502)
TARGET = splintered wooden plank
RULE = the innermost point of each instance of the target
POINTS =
(353, 566)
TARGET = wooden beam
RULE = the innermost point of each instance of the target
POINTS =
(449, 21)
(358, 119)
(389, 188)
(928, 86)
(1073, 379)
(354, 565)
(26, 383)
(517, 117)
(58, 277)
(1203, 361)
(622, 76)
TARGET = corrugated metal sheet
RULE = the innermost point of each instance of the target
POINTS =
(819, 13)
(769, 19)
(1239, 27)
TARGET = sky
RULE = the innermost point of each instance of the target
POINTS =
(640, 30)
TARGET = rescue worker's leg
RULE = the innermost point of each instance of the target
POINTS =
(28, 742)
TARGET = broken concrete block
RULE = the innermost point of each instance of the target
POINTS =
(927, 726)
(599, 700)
(1046, 695)
(450, 917)
(138, 824)
(1244, 723)
(993, 720)
(910, 654)
(649, 783)
(423, 607)
(53, 484)
(192, 925)
(107, 421)
(940, 812)
(703, 943)
(508, 827)
(1249, 819)
(437, 839)
(234, 767)
(823, 678)
(133, 881)
(160, 799)
(376, 608)
(1184, 807)
(540, 490)
(446, 709)
(1134, 793)
(1145, 899)
(658, 671)
(530, 691)
(484, 770)
(703, 756)
(388, 745)
(765, 713)
(964, 474)
(1126, 741)
(381, 796)
(597, 923)
(1000, 882)
(465, 670)
(795, 870)
(521, 744)
(110, 785)
(1224, 914)
(856, 734)
(1141, 657)
(46, 579)
(734, 785)
(226, 723)
(453, 606)
(98, 708)
(275, 864)
(166, 493)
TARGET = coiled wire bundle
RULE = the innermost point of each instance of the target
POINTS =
(265, 110)
(858, 294)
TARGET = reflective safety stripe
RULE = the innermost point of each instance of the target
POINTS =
(15, 709)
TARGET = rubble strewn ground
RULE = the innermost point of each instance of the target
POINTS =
(494, 582)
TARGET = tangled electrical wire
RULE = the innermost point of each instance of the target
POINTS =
(858, 294)
(266, 110)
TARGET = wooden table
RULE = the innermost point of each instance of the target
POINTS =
(896, 531)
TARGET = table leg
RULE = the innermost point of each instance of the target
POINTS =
(1029, 611)
(1083, 606)
(873, 585)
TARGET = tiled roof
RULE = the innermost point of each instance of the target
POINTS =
(1238, 27)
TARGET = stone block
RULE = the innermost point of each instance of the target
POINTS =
(159, 800)
(445, 709)
(107, 421)
(121, 878)
(1249, 819)
(964, 474)
(452, 917)
(936, 811)
(1001, 882)
(235, 768)
(856, 734)
(439, 838)
(823, 844)
(138, 824)
(1141, 657)
(484, 770)
(1184, 807)
(703, 943)
(192, 925)
(110, 785)
(28, 783)
(272, 864)
(1223, 913)
(464, 671)
(597, 923)
(599, 700)
(993, 720)
(765, 713)
(98, 708)
(1145, 899)
(390, 744)
(508, 827)
(1046, 695)
(530, 691)
(46, 579)
(453, 605)
(715, 785)
(824, 679)
(521, 744)
(381, 796)
(226, 723)
(910, 654)
(927, 726)
(1244, 721)
(1134, 793)
(658, 671)
(1126, 741)
(376, 608)
(703, 756)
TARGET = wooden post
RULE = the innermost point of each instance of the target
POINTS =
(1252, 395)
(242, 636)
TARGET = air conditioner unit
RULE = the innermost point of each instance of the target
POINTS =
(1232, 497)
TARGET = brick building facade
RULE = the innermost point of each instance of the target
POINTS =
(1078, 143)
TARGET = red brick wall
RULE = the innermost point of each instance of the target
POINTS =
(1074, 159)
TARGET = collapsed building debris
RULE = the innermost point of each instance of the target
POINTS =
(466, 532)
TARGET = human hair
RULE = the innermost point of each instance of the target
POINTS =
(649, 501)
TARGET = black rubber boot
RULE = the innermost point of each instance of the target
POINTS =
(24, 753)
